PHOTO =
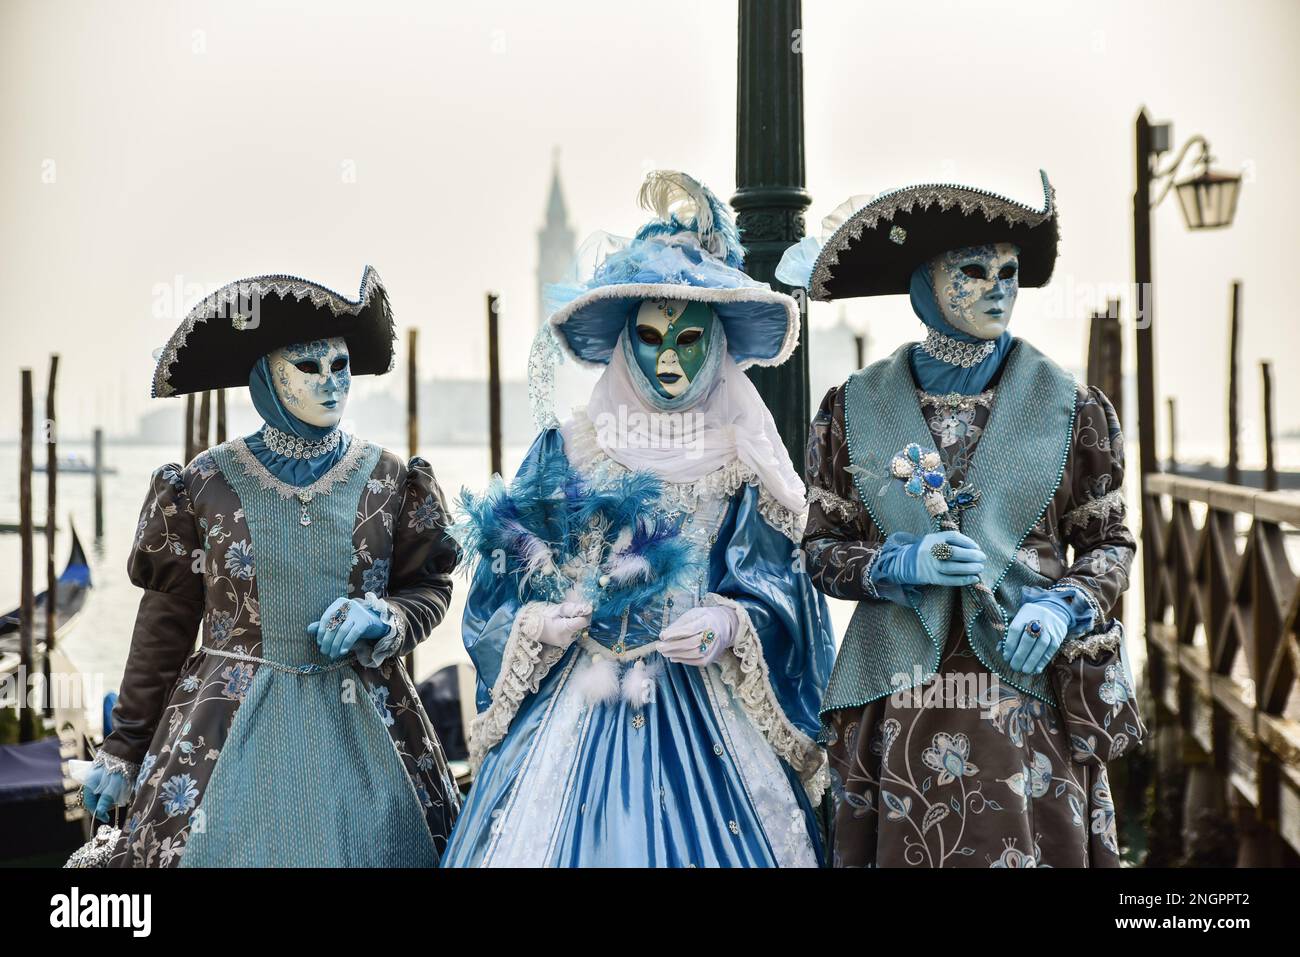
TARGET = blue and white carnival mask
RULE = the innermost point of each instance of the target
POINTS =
(671, 339)
(976, 287)
(312, 379)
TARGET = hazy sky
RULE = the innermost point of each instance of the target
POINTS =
(170, 146)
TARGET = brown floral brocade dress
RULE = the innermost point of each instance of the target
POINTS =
(965, 770)
(206, 575)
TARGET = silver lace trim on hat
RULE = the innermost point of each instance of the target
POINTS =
(955, 352)
(223, 301)
(968, 199)
(296, 447)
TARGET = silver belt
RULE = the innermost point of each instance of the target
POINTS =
(619, 652)
(281, 666)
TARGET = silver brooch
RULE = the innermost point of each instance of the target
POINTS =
(897, 234)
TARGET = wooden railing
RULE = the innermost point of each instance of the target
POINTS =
(1223, 648)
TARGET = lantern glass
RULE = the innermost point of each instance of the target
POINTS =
(1209, 200)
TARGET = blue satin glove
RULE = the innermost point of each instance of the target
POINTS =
(105, 790)
(1029, 652)
(916, 564)
(336, 636)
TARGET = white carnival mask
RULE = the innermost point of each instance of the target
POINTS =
(312, 379)
(976, 287)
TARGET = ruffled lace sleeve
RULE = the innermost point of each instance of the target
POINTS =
(167, 562)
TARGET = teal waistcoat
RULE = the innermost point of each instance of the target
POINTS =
(1017, 469)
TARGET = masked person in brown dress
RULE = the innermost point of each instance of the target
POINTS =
(968, 494)
(306, 561)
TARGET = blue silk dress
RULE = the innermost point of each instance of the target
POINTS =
(718, 768)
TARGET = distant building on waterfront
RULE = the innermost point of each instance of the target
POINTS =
(556, 240)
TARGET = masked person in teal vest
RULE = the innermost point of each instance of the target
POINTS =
(306, 561)
(968, 494)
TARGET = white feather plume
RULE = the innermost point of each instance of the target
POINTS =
(669, 192)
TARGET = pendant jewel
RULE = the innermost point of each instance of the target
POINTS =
(304, 499)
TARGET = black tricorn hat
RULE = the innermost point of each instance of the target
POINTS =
(875, 250)
(225, 334)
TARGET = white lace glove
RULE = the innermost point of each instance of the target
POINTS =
(561, 623)
(699, 636)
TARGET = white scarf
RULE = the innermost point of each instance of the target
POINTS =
(728, 423)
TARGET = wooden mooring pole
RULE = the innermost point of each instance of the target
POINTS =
(412, 395)
(99, 483)
(1270, 461)
(412, 428)
(189, 429)
(221, 416)
(27, 601)
(494, 383)
(1171, 405)
(1233, 473)
(51, 502)
(205, 422)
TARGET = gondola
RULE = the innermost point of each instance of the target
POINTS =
(70, 594)
(41, 818)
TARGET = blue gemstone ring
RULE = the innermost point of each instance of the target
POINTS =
(1035, 627)
(339, 617)
(706, 641)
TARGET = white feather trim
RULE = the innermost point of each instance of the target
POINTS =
(639, 683)
(598, 682)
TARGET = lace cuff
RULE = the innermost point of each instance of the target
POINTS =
(121, 790)
(524, 663)
(1093, 646)
(832, 504)
(373, 652)
(744, 671)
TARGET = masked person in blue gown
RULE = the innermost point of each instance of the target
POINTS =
(658, 707)
(306, 561)
(968, 494)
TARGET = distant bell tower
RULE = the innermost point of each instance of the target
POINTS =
(555, 240)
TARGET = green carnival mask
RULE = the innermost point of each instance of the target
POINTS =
(670, 339)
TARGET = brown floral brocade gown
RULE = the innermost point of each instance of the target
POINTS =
(206, 574)
(965, 770)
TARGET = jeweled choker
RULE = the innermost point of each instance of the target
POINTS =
(955, 352)
(296, 447)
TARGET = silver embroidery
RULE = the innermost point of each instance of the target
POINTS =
(1095, 508)
(322, 486)
(1094, 645)
(832, 504)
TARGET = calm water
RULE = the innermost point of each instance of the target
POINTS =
(99, 642)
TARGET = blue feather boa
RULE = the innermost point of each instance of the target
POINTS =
(561, 538)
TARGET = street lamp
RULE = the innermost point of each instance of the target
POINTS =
(1208, 199)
